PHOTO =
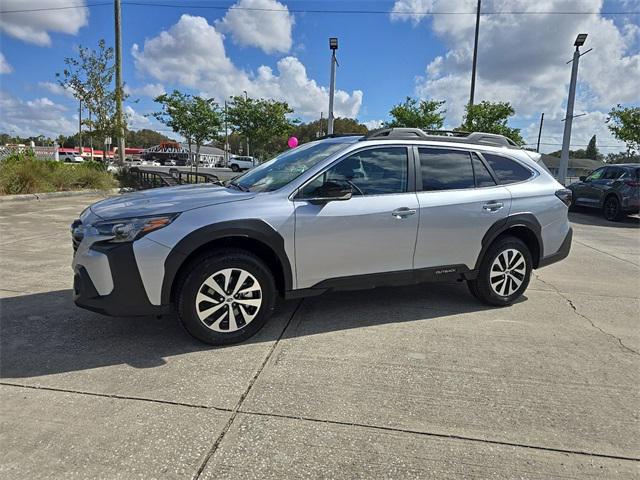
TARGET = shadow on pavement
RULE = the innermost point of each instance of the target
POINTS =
(45, 333)
(588, 216)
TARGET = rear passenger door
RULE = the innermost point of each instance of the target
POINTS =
(459, 199)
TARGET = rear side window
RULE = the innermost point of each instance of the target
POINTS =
(444, 169)
(507, 170)
(483, 177)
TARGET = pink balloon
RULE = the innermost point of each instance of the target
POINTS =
(292, 142)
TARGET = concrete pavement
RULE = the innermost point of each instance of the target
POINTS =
(414, 382)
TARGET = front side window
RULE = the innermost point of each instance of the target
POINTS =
(507, 170)
(444, 169)
(376, 171)
(597, 175)
(287, 166)
(613, 173)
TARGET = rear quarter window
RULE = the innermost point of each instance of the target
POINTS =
(507, 170)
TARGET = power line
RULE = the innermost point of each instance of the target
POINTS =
(302, 10)
(49, 9)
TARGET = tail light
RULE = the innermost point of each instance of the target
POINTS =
(565, 195)
(632, 183)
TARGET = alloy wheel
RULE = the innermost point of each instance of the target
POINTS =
(228, 300)
(611, 208)
(507, 272)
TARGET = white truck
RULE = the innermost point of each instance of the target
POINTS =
(240, 163)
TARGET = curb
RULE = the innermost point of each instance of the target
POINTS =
(45, 196)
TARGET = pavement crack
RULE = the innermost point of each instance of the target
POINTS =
(606, 253)
(444, 435)
(113, 396)
(234, 412)
(591, 322)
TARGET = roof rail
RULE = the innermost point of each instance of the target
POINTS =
(338, 135)
(395, 133)
(440, 136)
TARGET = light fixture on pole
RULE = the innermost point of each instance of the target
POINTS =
(333, 45)
(568, 119)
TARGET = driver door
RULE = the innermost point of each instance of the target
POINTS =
(372, 232)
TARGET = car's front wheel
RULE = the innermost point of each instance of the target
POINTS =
(504, 272)
(235, 168)
(225, 297)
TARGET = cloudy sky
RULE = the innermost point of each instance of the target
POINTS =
(279, 49)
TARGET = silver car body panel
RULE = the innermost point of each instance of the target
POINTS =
(340, 238)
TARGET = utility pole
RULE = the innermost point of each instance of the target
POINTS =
(333, 45)
(226, 136)
(90, 136)
(119, 117)
(475, 56)
(540, 132)
(246, 97)
(80, 128)
(568, 119)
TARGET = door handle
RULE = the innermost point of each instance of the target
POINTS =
(492, 206)
(403, 212)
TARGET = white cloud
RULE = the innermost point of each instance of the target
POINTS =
(192, 53)
(373, 124)
(151, 90)
(34, 26)
(593, 123)
(4, 65)
(40, 116)
(56, 89)
(268, 30)
(135, 120)
(522, 58)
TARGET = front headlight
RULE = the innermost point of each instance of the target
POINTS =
(130, 229)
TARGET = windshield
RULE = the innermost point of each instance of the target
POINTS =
(287, 166)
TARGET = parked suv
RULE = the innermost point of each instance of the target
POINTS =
(238, 164)
(614, 189)
(394, 207)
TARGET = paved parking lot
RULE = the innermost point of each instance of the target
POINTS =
(416, 382)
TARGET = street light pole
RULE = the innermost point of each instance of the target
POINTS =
(568, 120)
(246, 97)
(119, 118)
(80, 127)
(333, 45)
(475, 56)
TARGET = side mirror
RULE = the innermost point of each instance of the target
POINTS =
(331, 191)
(583, 178)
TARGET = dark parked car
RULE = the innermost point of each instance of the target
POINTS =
(615, 189)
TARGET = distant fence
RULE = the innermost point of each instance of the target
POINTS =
(41, 153)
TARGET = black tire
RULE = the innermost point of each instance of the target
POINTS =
(611, 208)
(203, 268)
(481, 287)
(572, 205)
(235, 168)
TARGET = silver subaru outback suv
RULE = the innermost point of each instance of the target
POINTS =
(394, 207)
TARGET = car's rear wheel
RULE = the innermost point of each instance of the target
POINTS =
(611, 209)
(504, 272)
(225, 297)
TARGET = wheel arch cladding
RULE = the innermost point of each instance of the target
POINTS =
(253, 235)
(524, 226)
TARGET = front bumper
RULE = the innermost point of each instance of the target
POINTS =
(562, 252)
(127, 297)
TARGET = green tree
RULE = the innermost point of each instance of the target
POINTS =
(90, 77)
(624, 123)
(145, 138)
(424, 114)
(307, 132)
(491, 117)
(175, 114)
(197, 119)
(592, 149)
(204, 122)
(262, 123)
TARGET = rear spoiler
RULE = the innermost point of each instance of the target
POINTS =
(537, 157)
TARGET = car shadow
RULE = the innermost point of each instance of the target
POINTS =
(46, 334)
(593, 217)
